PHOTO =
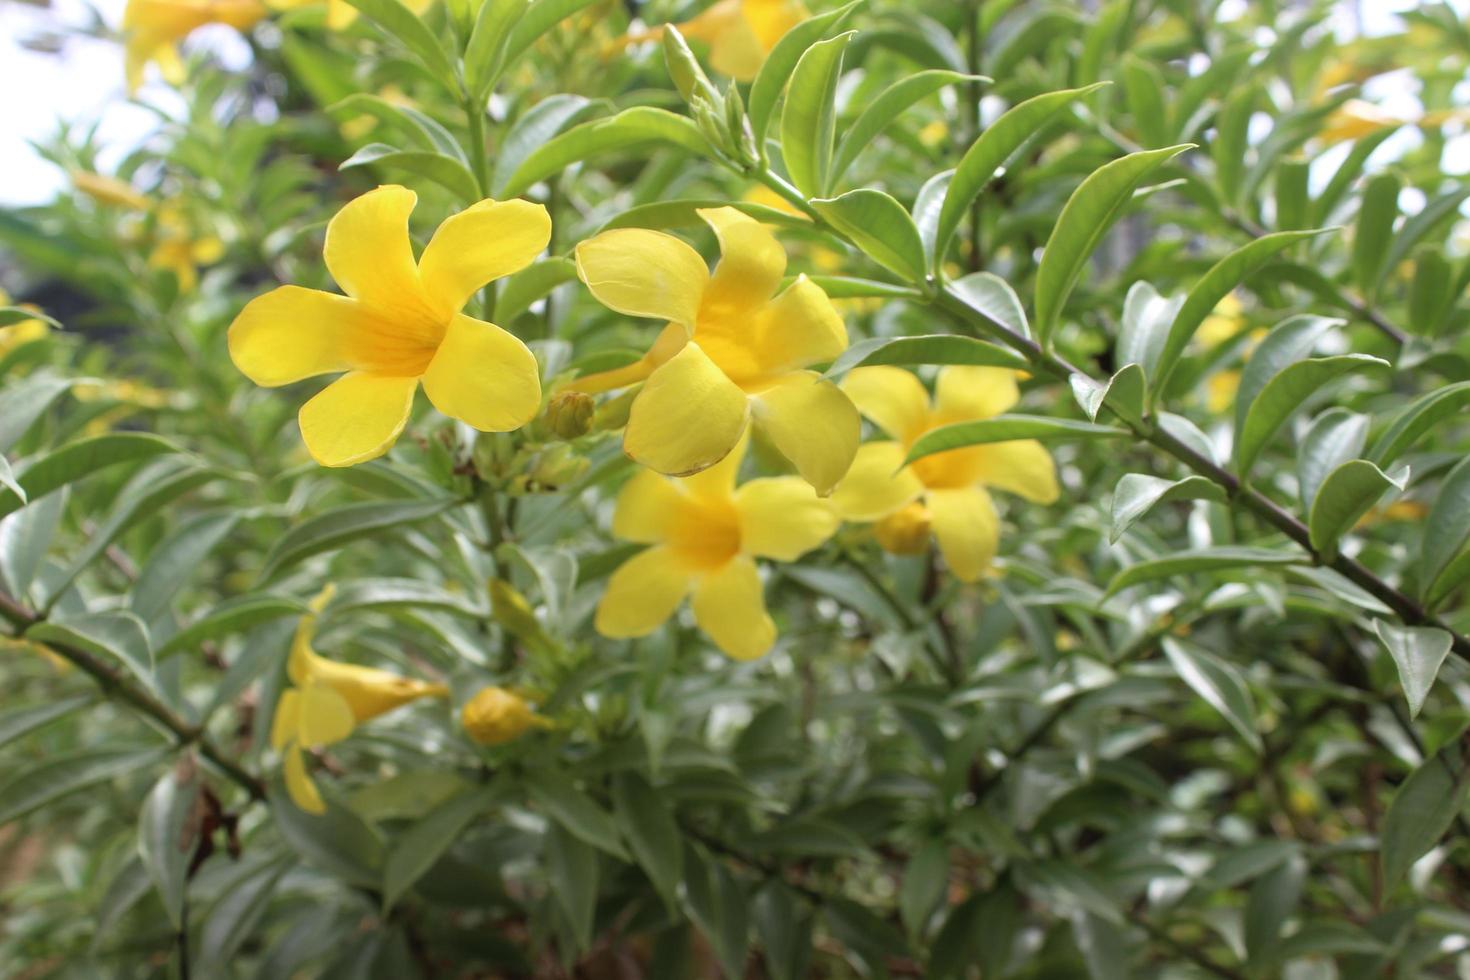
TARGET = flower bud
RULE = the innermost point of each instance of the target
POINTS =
(556, 467)
(495, 716)
(569, 414)
(689, 78)
(514, 613)
(905, 531)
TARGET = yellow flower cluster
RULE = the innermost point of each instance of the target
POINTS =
(175, 245)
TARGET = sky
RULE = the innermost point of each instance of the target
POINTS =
(85, 82)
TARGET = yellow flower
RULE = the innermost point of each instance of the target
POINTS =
(951, 485)
(495, 716)
(740, 33)
(327, 700)
(1223, 323)
(108, 190)
(340, 13)
(178, 250)
(153, 29)
(20, 333)
(704, 536)
(1221, 389)
(733, 352)
(399, 324)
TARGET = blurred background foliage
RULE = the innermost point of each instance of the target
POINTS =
(1206, 719)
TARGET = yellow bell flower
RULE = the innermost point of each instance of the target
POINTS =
(495, 716)
(734, 351)
(704, 536)
(327, 700)
(952, 486)
(152, 30)
(740, 33)
(108, 190)
(20, 333)
(399, 324)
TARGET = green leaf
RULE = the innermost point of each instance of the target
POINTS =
(542, 16)
(1143, 90)
(980, 930)
(637, 126)
(56, 776)
(1137, 493)
(1447, 527)
(993, 298)
(403, 24)
(1432, 292)
(11, 315)
(81, 459)
(402, 593)
(1223, 276)
(1069, 885)
(1418, 652)
(1346, 495)
(809, 118)
(1289, 341)
(166, 841)
(421, 128)
(849, 287)
(446, 171)
(1419, 224)
(1283, 395)
(1088, 214)
(785, 932)
(532, 130)
(926, 211)
(118, 636)
(891, 103)
(176, 560)
(7, 479)
(416, 849)
(1228, 148)
(1123, 393)
(1219, 684)
(1271, 903)
(532, 283)
(774, 72)
(25, 538)
(573, 867)
(1418, 418)
(925, 881)
(1374, 230)
(933, 349)
(880, 226)
(1004, 428)
(685, 214)
(1017, 127)
(338, 841)
(484, 55)
(337, 527)
(1292, 194)
(24, 401)
(650, 829)
(719, 908)
(1203, 560)
(237, 914)
(575, 810)
(862, 933)
(229, 617)
(1145, 327)
(21, 721)
(1422, 810)
(1336, 436)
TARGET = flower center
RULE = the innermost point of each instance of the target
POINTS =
(706, 533)
(398, 344)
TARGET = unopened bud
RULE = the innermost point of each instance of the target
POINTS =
(514, 613)
(495, 716)
(905, 531)
(689, 78)
(569, 414)
(556, 467)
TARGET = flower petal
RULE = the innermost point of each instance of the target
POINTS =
(687, 417)
(647, 507)
(642, 594)
(771, 19)
(799, 328)
(286, 721)
(299, 785)
(813, 424)
(369, 253)
(484, 376)
(877, 484)
(718, 482)
(751, 263)
(484, 242)
(965, 393)
(356, 418)
(782, 518)
(968, 530)
(891, 398)
(644, 273)
(292, 333)
(730, 608)
(1022, 467)
(326, 717)
(671, 339)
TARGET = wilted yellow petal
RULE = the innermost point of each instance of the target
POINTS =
(325, 716)
(751, 264)
(356, 418)
(813, 424)
(965, 393)
(644, 273)
(642, 594)
(299, 785)
(730, 608)
(1022, 467)
(369, 253)
(292, 333)
(891, 398)
(486, 241)
(687, 417)
(875, 486)
(484, 376)
(968, 530)
(646, 508)
(782, 518)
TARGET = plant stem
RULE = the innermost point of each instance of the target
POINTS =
(478, 158)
